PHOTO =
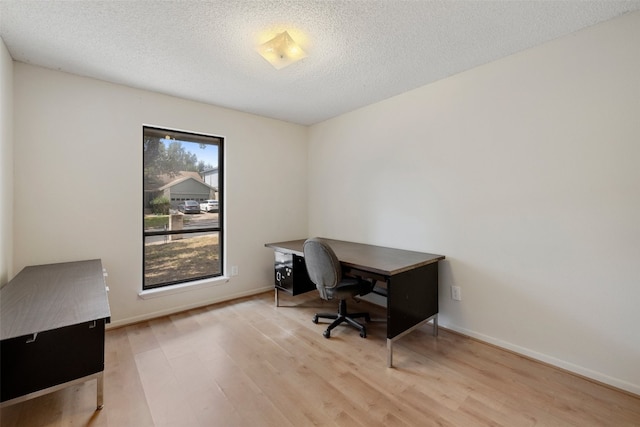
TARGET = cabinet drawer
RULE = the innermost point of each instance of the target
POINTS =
(291, 274)
(53, 358)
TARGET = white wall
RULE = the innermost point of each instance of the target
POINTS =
(78, 183)
(525, 173)
(6, 165)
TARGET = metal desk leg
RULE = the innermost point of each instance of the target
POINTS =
(390, 341)
(435, 325)
(100, 391)
(99, 377)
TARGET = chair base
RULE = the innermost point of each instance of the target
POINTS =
(341, 317)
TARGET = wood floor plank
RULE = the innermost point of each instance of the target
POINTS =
(254, 407)
(125, 402)
(249, 363)
(260, 360)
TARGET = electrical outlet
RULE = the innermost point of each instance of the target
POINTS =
(234, 270)
(456, 293)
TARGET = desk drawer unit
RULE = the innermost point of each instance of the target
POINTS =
(291, 274)
(412, 298)
(29, 364)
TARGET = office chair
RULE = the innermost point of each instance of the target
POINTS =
(325, 272)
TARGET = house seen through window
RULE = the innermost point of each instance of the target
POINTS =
(182, 206)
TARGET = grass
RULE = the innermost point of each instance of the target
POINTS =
(155, 221)
(182, 259)
(160, 221)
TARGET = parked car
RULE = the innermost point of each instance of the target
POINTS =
(209, 206)
(189, 206)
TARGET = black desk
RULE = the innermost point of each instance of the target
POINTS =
(410, 278)
(52, 323)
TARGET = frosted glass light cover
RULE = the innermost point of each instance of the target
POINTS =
(281, 51)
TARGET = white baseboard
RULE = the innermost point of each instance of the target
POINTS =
(550, 360)
(147, 316)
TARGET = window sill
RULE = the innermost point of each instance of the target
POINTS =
(182, 287)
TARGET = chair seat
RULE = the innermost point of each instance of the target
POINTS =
(348, 288)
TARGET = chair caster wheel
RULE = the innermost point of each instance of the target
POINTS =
(363, 334)
(315, 319)
(326, 334)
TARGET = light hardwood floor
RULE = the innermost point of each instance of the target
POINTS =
(248, 363)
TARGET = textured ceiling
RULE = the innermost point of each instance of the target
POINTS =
(359, 52)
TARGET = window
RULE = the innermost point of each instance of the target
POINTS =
(182, 207)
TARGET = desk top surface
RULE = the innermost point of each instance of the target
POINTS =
(376, 259)
(52, 296)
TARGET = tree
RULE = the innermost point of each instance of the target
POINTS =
(169, 159)
(156, 162)
(178, 159)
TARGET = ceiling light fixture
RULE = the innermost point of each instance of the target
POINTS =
(281, 51)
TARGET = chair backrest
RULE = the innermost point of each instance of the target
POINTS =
(322, 264)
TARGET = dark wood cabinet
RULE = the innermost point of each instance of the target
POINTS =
(53, 326)
(52, 358)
